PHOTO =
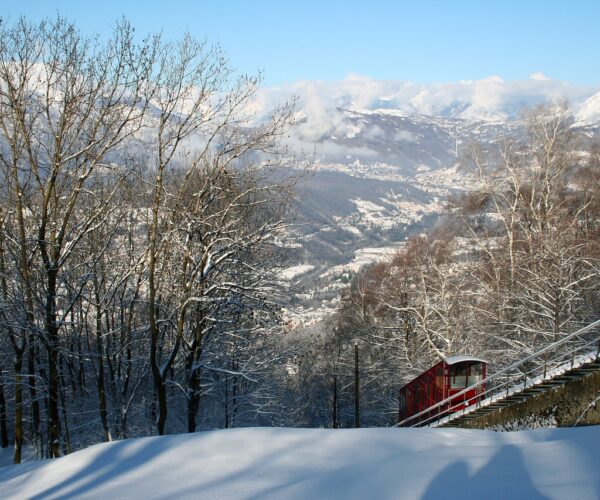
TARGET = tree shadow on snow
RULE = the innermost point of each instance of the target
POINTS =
(106, 466)
(278, 474)
(504, 476)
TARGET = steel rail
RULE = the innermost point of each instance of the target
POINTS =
(515, 379)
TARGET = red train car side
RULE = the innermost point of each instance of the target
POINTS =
(441, 381)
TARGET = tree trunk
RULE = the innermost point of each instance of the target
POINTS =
(62, 389)
(3, 425)
(193, 374)
(193, 396)
(100, 375)
(334, 417)
(18, 406)
(356, 389)
(35, 404)
(52, 350)
(226, 401)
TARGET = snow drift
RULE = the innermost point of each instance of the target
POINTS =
(318, 463)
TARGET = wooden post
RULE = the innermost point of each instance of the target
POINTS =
(545, 365)
(356, 389)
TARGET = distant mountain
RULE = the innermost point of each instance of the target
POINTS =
(405, 142)
(490, 99)
(589, 112)
(381, 176)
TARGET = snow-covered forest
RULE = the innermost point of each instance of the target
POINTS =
(146, 215)
(140, 222)
(512, 266)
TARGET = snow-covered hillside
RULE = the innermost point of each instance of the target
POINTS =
(589, 113)
(321, 464)
(384, 167)
(379, 178)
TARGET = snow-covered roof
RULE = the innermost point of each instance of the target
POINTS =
(451, 360)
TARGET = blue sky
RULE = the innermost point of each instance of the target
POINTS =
(421, 41)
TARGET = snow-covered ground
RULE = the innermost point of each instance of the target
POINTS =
(293, 272)
(319, 464)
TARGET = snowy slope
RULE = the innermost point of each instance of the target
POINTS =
(589, 113)
(318, 463)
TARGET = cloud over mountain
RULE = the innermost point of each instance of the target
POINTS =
(488, 99)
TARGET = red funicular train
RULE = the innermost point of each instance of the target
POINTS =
(443, 380)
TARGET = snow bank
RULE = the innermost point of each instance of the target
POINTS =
(316, 464)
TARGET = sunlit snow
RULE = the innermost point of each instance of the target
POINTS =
(321, 464)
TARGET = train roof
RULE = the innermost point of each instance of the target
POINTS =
(452, 360)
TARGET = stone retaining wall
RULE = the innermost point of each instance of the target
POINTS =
(575, 403)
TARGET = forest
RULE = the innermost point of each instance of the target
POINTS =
(140, 230)
(143, 218)
(513, 266)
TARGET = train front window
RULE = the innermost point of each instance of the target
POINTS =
(476, 373)
(459, 376)
(464, 375)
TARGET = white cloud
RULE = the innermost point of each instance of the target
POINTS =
(374, 133)
(539, 76)
(493, 78)
(406, 136)
(491, 98)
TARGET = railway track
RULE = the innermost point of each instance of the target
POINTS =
(574, 356)
(520, 393)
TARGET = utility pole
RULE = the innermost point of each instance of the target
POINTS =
(356, 389)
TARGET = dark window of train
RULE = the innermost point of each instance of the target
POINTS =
(476, 373)
(459, 376)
